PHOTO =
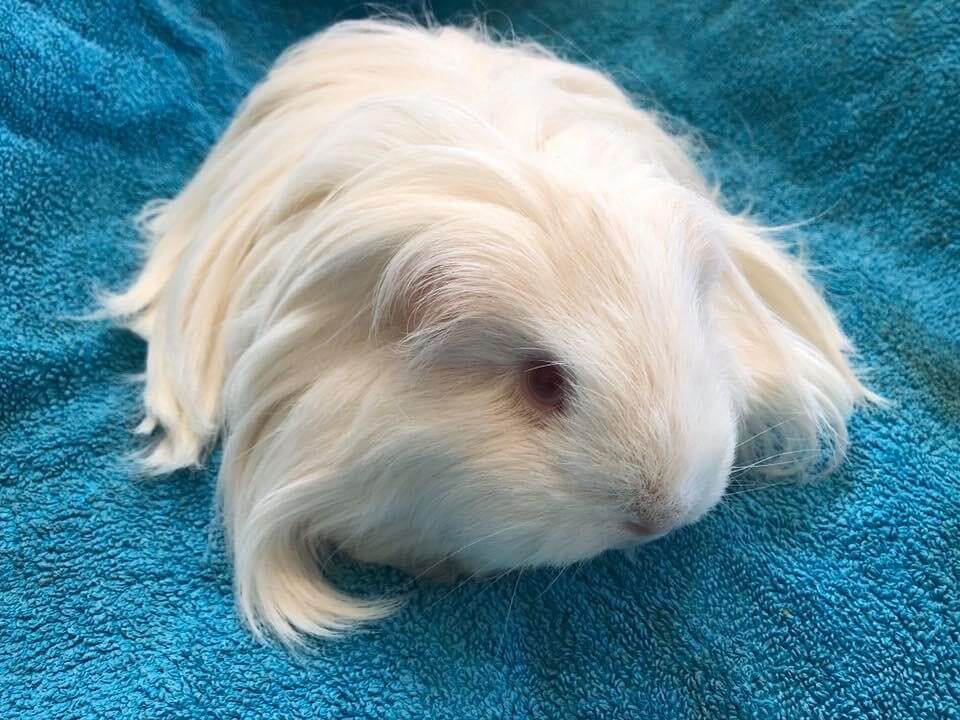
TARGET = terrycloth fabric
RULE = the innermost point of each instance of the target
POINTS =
(837, 600)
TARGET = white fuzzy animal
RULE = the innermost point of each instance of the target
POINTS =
(453, 302)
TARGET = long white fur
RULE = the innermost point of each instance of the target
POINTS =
(395, 219)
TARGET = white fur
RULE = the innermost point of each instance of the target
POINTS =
(397, 218)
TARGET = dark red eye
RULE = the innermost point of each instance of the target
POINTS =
(545, 384)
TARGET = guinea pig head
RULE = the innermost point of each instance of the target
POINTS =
(570, 388)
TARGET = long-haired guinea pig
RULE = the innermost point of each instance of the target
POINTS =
(455, 302)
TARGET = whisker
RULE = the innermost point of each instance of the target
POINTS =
(506, 622)
(456, 587)
(580, 564)
(480, 593)
(550, 584)
(756, 489)
(764, 432)
(466, 547)
(738, 469)
(774, 464)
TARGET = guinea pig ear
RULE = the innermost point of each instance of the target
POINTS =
(412, 296)
(800, 386)
(445, 309)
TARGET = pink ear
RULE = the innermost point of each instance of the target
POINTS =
(446, 311)
(412, 294)
(427, 299)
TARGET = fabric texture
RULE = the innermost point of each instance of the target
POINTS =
(829, 600)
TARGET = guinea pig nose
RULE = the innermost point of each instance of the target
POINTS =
(646, 528)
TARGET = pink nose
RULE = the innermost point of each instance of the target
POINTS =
(647, 528)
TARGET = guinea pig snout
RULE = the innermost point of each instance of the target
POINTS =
(654, 515)
(678, 501)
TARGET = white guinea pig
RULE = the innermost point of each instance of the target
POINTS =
(454, 302)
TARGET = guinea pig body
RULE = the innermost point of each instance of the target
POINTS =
(454, 301)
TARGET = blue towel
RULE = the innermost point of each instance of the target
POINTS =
(836, 600)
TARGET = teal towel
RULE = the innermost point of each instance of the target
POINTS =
(834, 600)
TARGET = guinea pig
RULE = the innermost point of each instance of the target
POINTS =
(451, 302)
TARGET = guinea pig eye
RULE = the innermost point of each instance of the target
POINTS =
(544, 384)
